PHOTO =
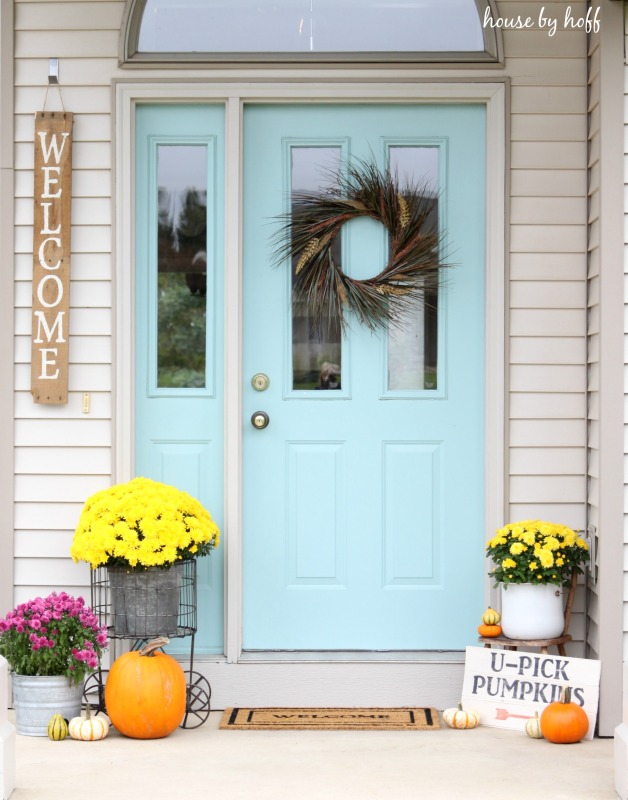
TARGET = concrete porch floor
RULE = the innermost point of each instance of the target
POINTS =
(349, 765)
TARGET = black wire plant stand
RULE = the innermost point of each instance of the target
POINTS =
(198, 689)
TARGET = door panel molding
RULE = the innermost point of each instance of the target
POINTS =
(410, 470)
(235, 95)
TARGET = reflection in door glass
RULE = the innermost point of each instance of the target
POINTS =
(413, 345)
(181, 265)
(316, 352)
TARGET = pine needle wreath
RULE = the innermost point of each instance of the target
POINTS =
(310, 229)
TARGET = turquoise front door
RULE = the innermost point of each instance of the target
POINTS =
(179, 191)
(364, 494)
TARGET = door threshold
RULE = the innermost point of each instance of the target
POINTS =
(353, 656)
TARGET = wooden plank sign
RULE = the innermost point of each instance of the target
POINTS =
(51, 257)
(508, 687)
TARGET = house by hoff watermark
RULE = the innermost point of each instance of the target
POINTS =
(590, 23)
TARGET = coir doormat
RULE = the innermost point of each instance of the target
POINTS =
(330, 719)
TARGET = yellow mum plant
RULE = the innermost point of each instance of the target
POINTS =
(534, 551)
(141, 524)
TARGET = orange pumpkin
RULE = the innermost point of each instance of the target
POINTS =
(490, 630)
(145, 693)
(564, 722)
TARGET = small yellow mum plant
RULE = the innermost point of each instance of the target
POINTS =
(142, 524)
(534, 551)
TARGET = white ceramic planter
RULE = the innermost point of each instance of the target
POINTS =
(530, 611)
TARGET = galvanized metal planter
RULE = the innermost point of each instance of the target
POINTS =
(145, 603)
(36, 698)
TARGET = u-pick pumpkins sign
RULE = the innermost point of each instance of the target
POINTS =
(508, 687)
(51, 257)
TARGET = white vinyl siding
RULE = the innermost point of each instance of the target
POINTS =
(63, 454)
(593, 329)
(547, 287)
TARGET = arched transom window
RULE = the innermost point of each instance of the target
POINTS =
(309, 30)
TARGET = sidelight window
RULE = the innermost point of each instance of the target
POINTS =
(181, 265)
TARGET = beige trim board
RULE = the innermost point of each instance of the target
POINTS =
(609, 587)
(6, 304)
(437, 684)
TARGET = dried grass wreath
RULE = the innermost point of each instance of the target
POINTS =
(310, 230)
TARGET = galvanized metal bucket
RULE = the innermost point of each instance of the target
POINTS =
(37, 698)
(145, 603)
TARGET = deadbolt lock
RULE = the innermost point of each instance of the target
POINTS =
(260, 382)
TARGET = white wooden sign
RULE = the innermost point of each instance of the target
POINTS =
(507, 687)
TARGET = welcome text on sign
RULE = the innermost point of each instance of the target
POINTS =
(51, 257)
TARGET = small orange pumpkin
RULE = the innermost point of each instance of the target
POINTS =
(489, 630)
(564, 722)
(145, 693)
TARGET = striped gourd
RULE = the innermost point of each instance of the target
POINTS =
(57, 728)
(459, 718)
(88, 728)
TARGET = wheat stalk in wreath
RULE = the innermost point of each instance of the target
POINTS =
(311, 227)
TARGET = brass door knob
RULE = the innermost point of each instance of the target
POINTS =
(260, 420)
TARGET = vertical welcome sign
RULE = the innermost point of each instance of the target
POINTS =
(51, 257)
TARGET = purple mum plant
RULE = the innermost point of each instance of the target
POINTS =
(54, 635)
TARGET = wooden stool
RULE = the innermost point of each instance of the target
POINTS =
(558, 641)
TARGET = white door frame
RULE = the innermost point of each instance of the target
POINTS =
(244, 674)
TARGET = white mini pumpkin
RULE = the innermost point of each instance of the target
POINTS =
(88, 728)
(459, 718)
(533, 727)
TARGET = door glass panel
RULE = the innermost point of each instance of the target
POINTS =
(316, 351)
(413, 344)
(181, 265)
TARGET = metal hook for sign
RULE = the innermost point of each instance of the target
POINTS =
(53, 71)
(53, 80)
